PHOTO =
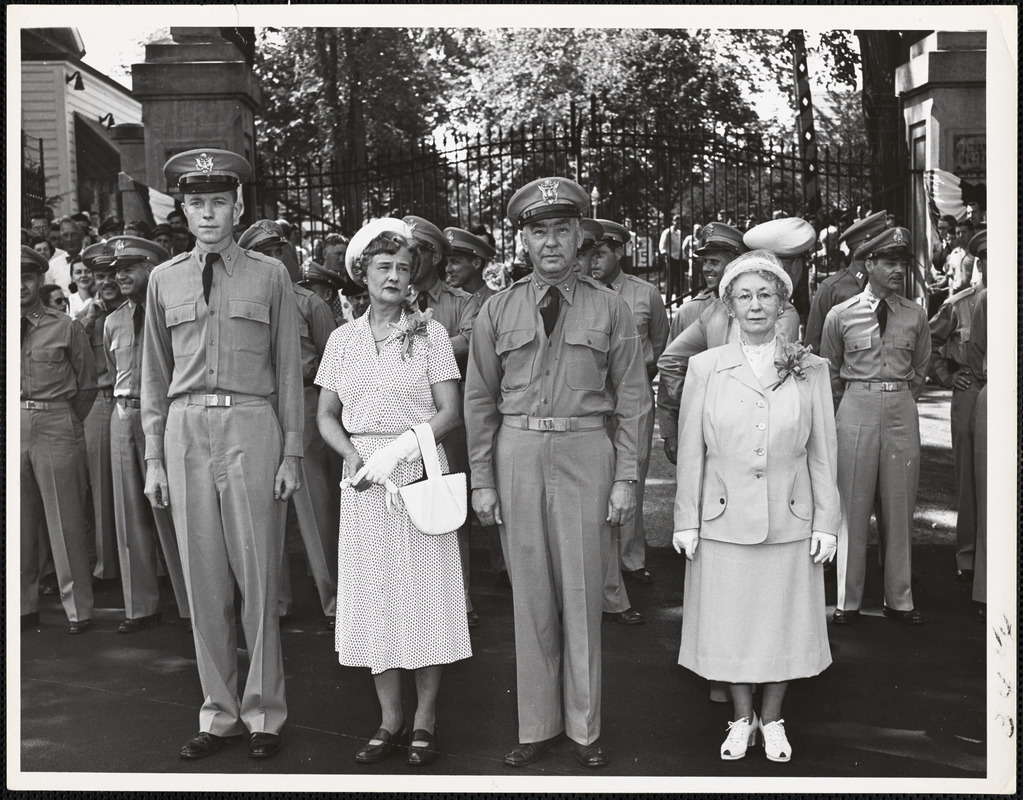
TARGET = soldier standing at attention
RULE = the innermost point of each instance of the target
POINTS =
(628, 556)
(552, 357)
(879, 348)
(138, 523)
(222, 415)
(58, 386)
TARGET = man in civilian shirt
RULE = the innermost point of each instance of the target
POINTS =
(879, 349)
(71, 239)
(552, 357)
(222, 416)
(670, 248)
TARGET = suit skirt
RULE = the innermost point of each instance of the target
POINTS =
(754, 613)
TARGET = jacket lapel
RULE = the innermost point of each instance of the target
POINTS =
(733, 360)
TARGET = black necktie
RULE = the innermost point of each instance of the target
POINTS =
(138, 317)
(882, 315)
(24, 328)
(207, 275)
(549, 313)
(422, 301)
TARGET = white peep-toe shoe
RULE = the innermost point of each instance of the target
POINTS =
(742, 734)
(776, 744)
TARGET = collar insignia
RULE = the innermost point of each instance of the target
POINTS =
(204, 163)
(548, 191)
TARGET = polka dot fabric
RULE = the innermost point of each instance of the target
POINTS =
(400, 597)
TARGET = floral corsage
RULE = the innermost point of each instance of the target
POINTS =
(415, 325)
(792, 361)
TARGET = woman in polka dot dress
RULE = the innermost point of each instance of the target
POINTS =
(401, 603)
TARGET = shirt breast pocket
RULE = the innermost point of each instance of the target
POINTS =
(120, 348)
(250, 325)
(586, 359)
(904, 343)
(854, 344)
(184, 337)
(512, 347)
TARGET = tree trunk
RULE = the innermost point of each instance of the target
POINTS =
(880, 51)
(355, 126)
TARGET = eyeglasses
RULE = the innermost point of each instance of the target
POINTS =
(765, 298)
(60, 301)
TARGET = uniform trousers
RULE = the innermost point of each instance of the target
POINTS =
(317, 515)
(139, 525)
(53, 488)
(979, 434)
(221, 463)
(101, 484)
(878, 458)
(554, 489)
(963, 402)
(458, 460)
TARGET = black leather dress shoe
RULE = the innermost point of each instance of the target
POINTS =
(138, 624)
(981, 611)
(522, 755)
(264, 745)
(472, 619)
(386, 743)
(639, 576)
(423, 753)
(81, 626)
(964, 576)
(911, 617)
(841, 617)
(202, 745)
(591, 755)
(48, 589)
(30, 620)
(628, 617)
(330, 623)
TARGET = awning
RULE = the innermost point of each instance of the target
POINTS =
(98, 157)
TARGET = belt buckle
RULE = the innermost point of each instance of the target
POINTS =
(889, 386)
(217, 400)
(545, 423)
(30, 405)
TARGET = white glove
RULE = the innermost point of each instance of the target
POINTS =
(381, 464)
(687, 540)
(823, 547)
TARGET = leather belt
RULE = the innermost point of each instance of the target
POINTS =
(217, 400)
(878, 386)
(44, 405)
(130, 402)
(106, 391)
(555, 424)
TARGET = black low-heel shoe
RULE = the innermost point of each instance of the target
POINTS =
(388, 742)
(421, 755)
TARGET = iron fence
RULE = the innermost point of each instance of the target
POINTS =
(633, 170)
(33, 178)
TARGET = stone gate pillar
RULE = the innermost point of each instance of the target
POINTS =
(197, 90)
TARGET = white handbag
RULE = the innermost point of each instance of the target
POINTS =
(437, 504)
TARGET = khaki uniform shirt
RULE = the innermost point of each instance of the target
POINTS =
(590, 366)
(834, 289)
(648, 313)
(950, 334)
(104, 377)
(689, 312)
(853, 344)
(479, 297)
(315, 324)
(57, 362)
(976, 348)
(245, 341)
(123, 351)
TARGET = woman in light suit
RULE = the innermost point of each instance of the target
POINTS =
(757, 509)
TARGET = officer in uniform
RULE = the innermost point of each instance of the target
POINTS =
(846, 282)
(976, 361)
(950, 334)
(327, 286)
(315, 506)
(879, 348)
(58, 386)
(106, 297)
(222, 409)
(455, 310)
(551, 358)
(139, 525)
(651, 320)
(592, 231)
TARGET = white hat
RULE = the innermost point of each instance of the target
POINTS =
(367, 233)
(786, 237)
(754, 261)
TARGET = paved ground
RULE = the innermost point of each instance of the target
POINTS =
(897, 702)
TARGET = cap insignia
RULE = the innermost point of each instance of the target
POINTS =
(412, 225)
(204, 163)
(119, 245)
(897, 236)
(451, 236)
(264, 225)
(548, 191)
(708, 231)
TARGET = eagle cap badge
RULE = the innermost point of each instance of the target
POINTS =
(119, 245)
(267, 227)
(451, 236)
(204, 163)
(897, 236)
(548, 191)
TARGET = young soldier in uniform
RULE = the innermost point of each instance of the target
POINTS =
(139, 525)
(879, 350)
(552, 357)
(316, 506)
(58, 386)
(222, 415)
(628, 546)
